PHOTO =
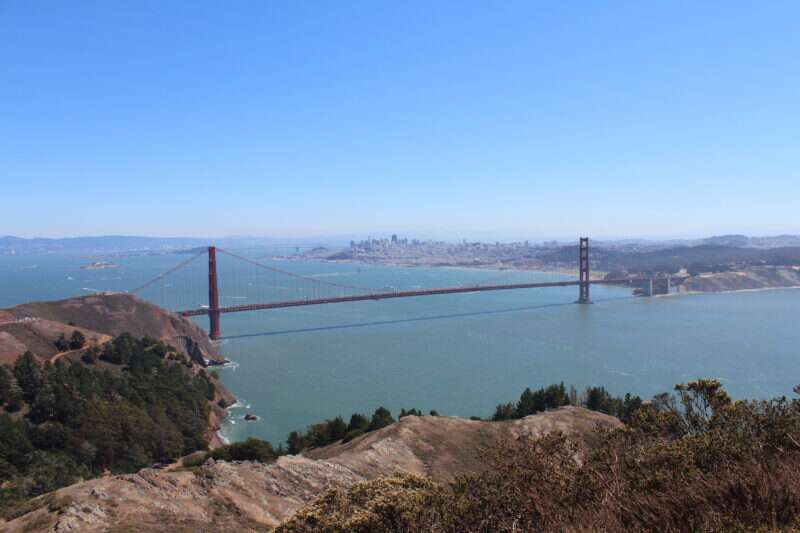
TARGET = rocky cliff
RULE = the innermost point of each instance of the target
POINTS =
(256, 497)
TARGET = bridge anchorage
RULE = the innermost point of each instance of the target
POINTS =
(310, 290)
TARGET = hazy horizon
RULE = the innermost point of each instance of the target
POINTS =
(489, 237)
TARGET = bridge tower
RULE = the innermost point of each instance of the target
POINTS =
(583, 265)
(213, 295)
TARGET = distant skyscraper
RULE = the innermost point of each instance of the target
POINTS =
(394, 239)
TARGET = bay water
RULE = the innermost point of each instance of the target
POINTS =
(459, 354)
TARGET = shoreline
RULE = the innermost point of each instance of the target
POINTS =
(730, 291)
(222, 438)
(571, 273)
(238, 404)
(496, 267)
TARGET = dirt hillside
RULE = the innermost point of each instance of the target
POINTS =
(256, 497)
(753, 278)
(35, 326)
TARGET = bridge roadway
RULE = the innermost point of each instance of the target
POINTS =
(405, 294)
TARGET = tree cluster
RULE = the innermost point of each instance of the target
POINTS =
(336, 429)
(76, 341)
(72, 420)
(556, 395)
(249, 450)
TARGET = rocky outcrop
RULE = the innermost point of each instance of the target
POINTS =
(255, 497)
(36, 325)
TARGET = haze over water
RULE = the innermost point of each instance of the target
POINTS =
(459, 354)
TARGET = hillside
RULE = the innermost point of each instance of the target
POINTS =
(695, 461)
(36, 326)
(703, 258)
(121, 407)
(254, 497)
(752, 278)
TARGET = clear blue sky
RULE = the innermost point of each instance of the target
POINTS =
(477, 119)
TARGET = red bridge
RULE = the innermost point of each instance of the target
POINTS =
(349, 293)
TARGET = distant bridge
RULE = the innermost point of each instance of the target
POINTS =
(214, 310)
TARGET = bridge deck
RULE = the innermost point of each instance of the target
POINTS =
(403, 294)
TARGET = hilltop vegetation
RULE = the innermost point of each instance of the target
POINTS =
(530, 403)
(335, 429)
(692, 462)
(123, 407)
(594, 398)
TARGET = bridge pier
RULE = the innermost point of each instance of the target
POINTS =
(214, 330)
(661, 285)
(648, 287)
(583, 266)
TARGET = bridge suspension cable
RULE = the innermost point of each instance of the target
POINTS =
(167, 273)
(295, 275)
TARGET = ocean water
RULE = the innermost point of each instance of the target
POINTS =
(459, 354)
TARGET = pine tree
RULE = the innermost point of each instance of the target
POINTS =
(5, 385)
(337, 429)
(358, 421)
(61, 343)
(504, 411)
(381, 418)
(77, 340)
(29, 376)
(44, 405)
(295, 443)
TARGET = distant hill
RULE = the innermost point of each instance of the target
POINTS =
(742, 241)
(727, 240)
(96, 244)
(122, 243)
(733, 240)
(702, 258)
(774, 242)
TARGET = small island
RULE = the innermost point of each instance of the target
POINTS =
(99, 265)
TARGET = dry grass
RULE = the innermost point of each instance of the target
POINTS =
(705, 465)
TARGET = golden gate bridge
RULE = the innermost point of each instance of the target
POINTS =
(310, 290)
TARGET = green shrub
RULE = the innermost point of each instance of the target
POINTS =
(77, 340)
(249, 450)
